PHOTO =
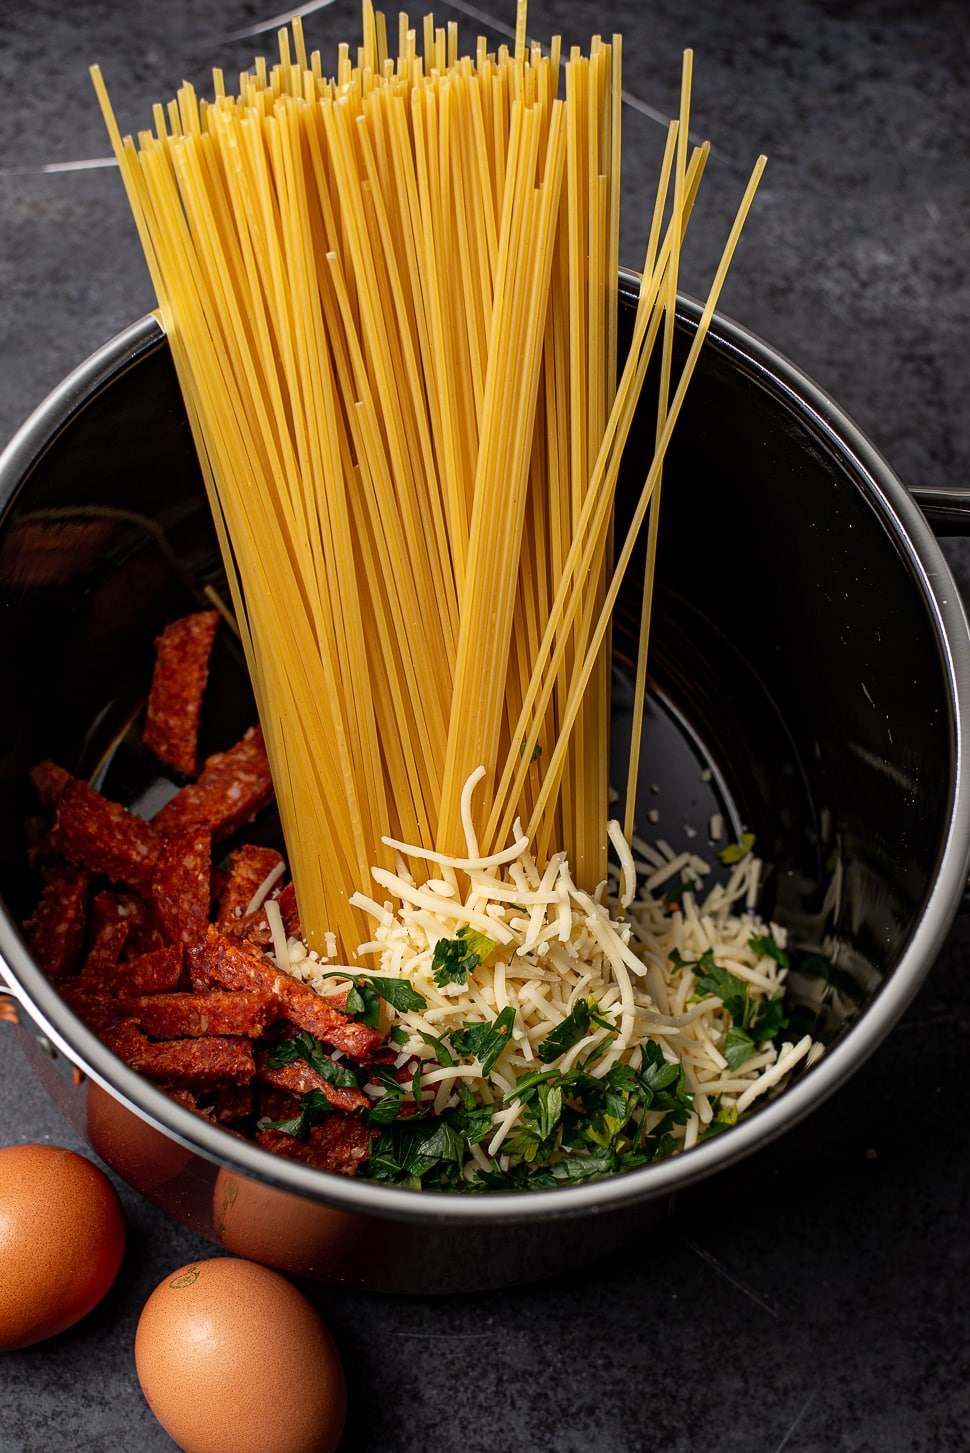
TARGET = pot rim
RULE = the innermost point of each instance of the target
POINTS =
(916, 540)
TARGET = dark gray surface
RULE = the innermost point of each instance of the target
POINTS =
(816, 1297)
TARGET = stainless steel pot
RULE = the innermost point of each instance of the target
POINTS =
(811, 665)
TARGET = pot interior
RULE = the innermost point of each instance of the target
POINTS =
(799, 686)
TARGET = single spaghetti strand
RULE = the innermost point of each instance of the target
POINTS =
(653, 521)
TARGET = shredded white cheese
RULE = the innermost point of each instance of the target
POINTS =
(555, 945)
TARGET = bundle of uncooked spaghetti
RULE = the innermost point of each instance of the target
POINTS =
(391, 298)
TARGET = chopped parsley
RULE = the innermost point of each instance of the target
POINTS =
(308, 1047)
(484, 1042)
(735, 852)
(574, 1124)
(674, 896)
(367, 990)
(577, 1126)
(455, 958)
(754, 1022)
(314, 1108)
(572, 1029)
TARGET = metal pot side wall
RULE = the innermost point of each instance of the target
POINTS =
(854, 779)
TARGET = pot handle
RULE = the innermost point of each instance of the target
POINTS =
(15, 1010)
(9, 999)
(947, 508)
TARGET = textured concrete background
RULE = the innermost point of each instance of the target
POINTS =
(814, 1298)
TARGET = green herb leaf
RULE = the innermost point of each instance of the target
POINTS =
(572, 1029)
(526, 1085)
(471, 1119)
(735, 852)
(386, 1109)
(574, 1169)
(308, 1047)
(732, 991)
(768, 1020)
(411, 1149)
(455, 958)
(314, 1107)
(398, 993)
(738, 1046)
(439, 1044)
(724, 1118)
(390, 1104)
(484, 1042)
(674, 897)
(363, 1003)
(655, 1073)
(399, 1036)
(763, 943)
(368, 989)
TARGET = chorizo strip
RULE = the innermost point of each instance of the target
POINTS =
(212, 1060)
(181, 886)
(103, 836)
(182, 654)
(57, 928)
(232, 787)
(194, 1016)
(239, 967)
(339, 1144)
(300, 1078)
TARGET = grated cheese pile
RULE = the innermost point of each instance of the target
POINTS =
(628, 948)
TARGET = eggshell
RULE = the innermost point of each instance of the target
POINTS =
(62, 1237)
(271, 1226)
(233, 1359)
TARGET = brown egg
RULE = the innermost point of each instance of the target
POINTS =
(233, 1359)
(278, 1229)
(62, 1236)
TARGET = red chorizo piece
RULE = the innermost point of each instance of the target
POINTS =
(37, 832)
(300, 1078)
(239, 967)
(183, 1096)
(157, 972)
(49, 782)
(102, 836)
(182, 654)
(249, 867)
(232, 788)
(339, 1144)
(198, 975)
(56, 931)
(255, 927)
(180, 887)
(235, 1102)
(105, 952)
(211, 1061)
(193, 1016)
(113, 905)
(94, 1003)
(274, 1103)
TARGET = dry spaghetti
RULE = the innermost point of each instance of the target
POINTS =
(391, 299)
